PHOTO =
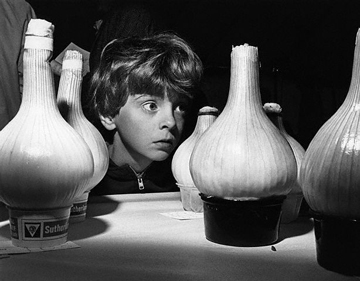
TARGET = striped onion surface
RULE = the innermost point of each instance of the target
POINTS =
(243, 155)
(43, 160)
(330, 171)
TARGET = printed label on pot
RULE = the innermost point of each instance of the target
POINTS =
(14, 230)
(56, 228)
(79, 209)
(40, 229)
(32, 230)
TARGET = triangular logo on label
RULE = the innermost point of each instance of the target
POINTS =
(32, 228)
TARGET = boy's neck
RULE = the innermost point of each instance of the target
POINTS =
(121, 156)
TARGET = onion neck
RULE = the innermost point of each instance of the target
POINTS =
(39, 87)
(70, 93)
(244, 91)
(353, 96)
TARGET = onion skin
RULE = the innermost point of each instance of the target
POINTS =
(180, 162)
(330, 176)
(273, 111)
(292, 203)
(44, 162)
(243, 155)
(69, 102)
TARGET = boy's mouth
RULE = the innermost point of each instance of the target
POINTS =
(165, 143)
(168, 141)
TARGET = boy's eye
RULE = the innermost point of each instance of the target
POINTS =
(182, 108)
(150, 106)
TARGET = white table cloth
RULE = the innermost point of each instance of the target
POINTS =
(130, 237)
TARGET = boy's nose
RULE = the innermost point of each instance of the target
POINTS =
(168, 120)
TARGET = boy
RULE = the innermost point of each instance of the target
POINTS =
(142, 90)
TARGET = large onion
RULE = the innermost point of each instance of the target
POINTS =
(292, 203)
(69, 102)
(243, 155)
(180, 162)
(44, 162)
(330, 176)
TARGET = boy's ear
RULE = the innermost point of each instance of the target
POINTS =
(108, 122)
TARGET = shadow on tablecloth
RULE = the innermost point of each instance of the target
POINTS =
(299, 227)
(100, 205)
(92, 226)
(89, 228)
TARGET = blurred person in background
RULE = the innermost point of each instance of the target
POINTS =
(14, 18)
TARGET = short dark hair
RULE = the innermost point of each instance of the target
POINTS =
(155, 65)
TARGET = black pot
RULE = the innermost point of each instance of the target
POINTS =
(242, 223)
(337, 243)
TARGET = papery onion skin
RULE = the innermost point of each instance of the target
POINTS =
(44, 162)
(293, 201)
(273, 111)
(69, 102)
(243, 155)
(330, 172)
(33, 174)
(180, 162)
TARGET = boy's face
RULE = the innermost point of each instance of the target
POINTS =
(150, 127)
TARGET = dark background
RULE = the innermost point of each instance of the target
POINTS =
(305, 47)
